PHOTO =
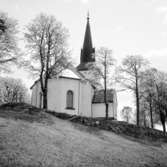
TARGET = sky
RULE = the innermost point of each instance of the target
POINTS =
(125, 26)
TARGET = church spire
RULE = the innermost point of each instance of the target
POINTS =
(87, 52)
(87, 45)
(88, 15)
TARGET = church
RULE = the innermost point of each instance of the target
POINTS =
(71, 91)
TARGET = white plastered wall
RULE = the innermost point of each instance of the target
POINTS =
(98, 110)
(86, 92)
(57, 90)
(83, 94)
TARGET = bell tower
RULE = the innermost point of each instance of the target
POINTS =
(87, 52)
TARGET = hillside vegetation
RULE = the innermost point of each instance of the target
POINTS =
(31, 138)
(143, 134)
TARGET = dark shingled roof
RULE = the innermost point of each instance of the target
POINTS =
(99, 96)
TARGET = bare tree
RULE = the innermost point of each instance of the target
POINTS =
(161, 99)
(46, 39)
(148, 93)
(13, 91)
(102, 70)
(129, 75)
(127, 113)
(145, 119)
(153, 86)
(8, 41)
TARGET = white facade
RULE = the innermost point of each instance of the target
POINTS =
(83, 93)
(99, 110)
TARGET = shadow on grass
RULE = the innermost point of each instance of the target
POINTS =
(26, 112)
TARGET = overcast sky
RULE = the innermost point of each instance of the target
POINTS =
(125, 26)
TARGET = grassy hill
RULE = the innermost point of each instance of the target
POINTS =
(32, 138)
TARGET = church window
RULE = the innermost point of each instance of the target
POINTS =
(70, 97)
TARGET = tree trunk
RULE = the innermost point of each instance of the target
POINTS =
(127, 119)
(151, 113)
(106, 110)
(162, 118)
(105, 85)
(105, 101)
(164, 129)
(45, 99)
(45, 105)
(145, 123)
(137, 105)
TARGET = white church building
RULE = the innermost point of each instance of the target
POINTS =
(71, 91)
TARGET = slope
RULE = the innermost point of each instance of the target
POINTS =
(59, 143)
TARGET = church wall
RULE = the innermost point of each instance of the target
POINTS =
(83, 94)
(86, 99)
(98, 110)
(33, 95)
(70, 84)
(54, 95)
(57, 90)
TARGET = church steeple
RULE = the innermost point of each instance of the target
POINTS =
(87, 52)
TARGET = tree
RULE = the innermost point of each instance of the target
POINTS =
(161, 99)
(144, 113)
(153, 86)
(46, 39)
(102, 70)
(148, 93)
(126, 113)
(129, 75)
(13, 91)
(2, 26)
(8, 44)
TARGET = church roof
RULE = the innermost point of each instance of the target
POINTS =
(84, 66)
(99, 96)
(68, 73)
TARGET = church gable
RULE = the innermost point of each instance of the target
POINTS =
(67, 73)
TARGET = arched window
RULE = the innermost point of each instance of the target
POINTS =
(69, 101)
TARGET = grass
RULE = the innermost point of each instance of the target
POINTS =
(119, 127)
(61, 143)
(24, 112)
